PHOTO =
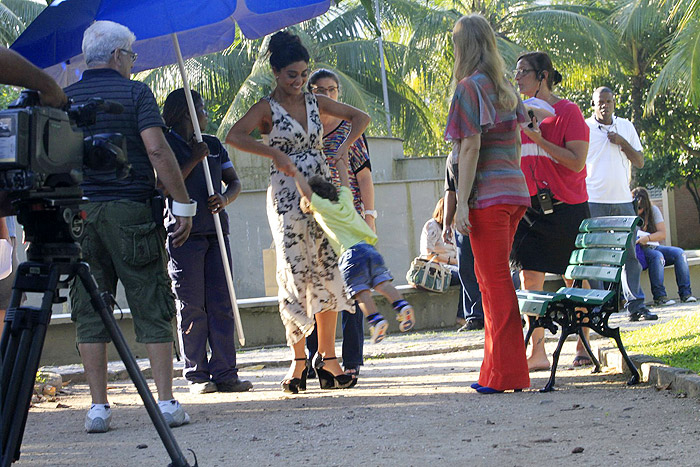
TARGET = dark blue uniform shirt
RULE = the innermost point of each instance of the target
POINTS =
(203, 221)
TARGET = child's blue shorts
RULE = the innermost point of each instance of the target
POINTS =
(362, 268)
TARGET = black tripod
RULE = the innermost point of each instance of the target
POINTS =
(51, 266)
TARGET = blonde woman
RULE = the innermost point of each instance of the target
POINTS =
(492, 193)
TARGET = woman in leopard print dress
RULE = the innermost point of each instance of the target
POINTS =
(309, 280)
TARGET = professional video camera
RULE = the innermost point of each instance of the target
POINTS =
(42, 156)
(43, 149)
(43, 153)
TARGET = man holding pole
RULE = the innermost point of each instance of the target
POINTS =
(124, 240)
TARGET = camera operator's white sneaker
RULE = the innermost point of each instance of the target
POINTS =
(173, 413)
(98, 418)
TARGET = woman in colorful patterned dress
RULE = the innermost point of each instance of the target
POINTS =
(336, 131)
(491, 193)
(307, 267)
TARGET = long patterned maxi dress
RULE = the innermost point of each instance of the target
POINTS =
(307, 267)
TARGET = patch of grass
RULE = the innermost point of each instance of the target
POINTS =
(676, 342)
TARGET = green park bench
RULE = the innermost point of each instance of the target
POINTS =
(599, 256)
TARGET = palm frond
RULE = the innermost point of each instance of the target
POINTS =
(681, 73)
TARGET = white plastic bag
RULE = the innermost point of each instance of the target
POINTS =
(5, 258)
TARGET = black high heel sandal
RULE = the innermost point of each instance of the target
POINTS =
(328, 380)
(294, 385)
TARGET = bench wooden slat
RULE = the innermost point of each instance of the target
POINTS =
(598, 256)
(538, 295)
(603, 239)
(598, 273)
(533, 307)
(535, 302)
(587, 296)
(607, 223)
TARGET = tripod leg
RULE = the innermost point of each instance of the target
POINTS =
(23, 340)
(166, 435)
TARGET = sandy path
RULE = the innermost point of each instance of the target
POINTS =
(405, 411)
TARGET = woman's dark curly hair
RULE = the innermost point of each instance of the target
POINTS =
(286, 48)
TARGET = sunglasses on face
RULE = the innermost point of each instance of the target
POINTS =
(320, 90)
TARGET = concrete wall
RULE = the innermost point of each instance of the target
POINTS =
(261, 322)
(406, 193)
(682, 219)
(263, 326)
(254, 170)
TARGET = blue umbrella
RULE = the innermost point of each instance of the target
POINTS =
(53, 41)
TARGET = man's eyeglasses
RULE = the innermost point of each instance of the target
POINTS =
(132, 55)
(519, 73)
(320, 90)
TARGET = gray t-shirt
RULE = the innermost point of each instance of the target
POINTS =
(656, 213)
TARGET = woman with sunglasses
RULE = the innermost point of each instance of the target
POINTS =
(656, 256)
(336, 131)
(554, 154)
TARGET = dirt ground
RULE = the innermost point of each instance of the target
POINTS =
(408, 411)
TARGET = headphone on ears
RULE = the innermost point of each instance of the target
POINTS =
(540, 75)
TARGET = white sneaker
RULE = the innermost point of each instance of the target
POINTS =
(377, 331)
(689, 299)
(173, 413)
(98, 418)
(406, 318)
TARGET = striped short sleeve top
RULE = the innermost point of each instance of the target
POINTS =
(475, 110)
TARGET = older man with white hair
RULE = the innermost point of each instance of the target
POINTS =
(124, 237)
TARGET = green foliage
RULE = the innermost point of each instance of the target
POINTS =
(15, 15)
(7, 95)
(676, 342)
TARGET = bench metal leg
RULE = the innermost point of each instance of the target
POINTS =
(587, 345)
(555, 360)
(601, 326)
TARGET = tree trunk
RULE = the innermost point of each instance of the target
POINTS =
(639, 84)
(692, 187)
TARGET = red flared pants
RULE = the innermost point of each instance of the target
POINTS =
(505, 365)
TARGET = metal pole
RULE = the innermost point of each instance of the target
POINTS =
(385, 91)
(210, 190)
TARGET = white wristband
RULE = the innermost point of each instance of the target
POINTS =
(371, 212)
(184, 209)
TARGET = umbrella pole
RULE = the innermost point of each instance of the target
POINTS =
(210, 190)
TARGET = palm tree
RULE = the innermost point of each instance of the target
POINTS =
(644, 33)
(15, 15)
(681, 72)
(343, 41)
